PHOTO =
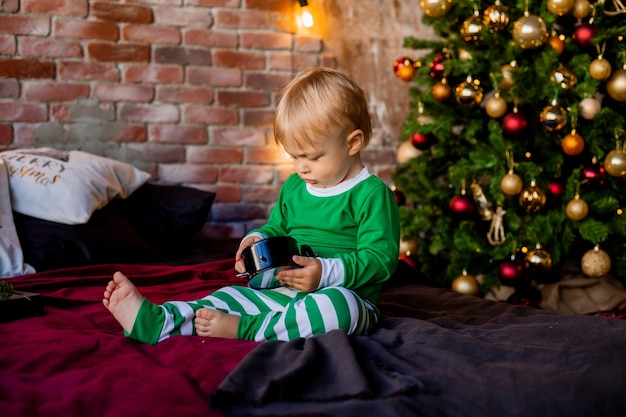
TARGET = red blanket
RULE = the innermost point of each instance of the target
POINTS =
(74, 360)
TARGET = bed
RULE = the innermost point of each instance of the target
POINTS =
(435, 352)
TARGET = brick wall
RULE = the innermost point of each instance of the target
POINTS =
(182, 88)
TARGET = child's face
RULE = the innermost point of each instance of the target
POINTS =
(326, 161)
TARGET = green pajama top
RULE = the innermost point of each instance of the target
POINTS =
(353, 228)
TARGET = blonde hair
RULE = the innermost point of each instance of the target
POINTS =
(319, 98)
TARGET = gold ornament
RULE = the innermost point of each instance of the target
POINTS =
(471, 28)
(511, 184)
(595, 262)
(435, 8)
(538, 260)
(600, 68)
(581, 9)
(616, 86)
(496, 106)
(441, 91)
(577, 209)
(615, 163)
(408, 247)
(530, 31)
(466, 284)
(496, 17)
(553, 117)
(573, 144)
(565, 77)
(532, 198)
(589, 108)
(406, 151)
(469, 93)
(560, 7)
(507, 76)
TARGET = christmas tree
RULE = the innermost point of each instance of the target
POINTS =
(513, 161)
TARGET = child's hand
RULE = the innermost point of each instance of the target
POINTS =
(249, 241)
(306, 278)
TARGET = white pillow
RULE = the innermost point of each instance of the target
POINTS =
(66, 186)
(11, 256)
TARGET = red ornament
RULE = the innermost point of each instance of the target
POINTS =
(510, 272)
(462, 206)
(436, 67)
(422, 142)
(556, 187)
(514, 124)
(594, 174)
(584, 33)
(399, 196)
(404, 68)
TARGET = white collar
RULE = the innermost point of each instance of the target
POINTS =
(340, 188)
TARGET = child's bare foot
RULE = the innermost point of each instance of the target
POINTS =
(216, 323)
(123, 300)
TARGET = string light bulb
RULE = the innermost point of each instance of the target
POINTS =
(305, 18)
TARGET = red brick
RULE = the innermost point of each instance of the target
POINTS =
(161, 2)
(183, 17)
(213, 155)
(88, 71)
(285, 23)
(229, 212)
(9, 88)
(178, 94)
(190, 174)
(260, 194)
(182, 56)
(76, 8)
(151, 34)
(124, 92)
(210, 38)
(287, 61)
(280, 6)
(119, 52)
(23, 133)
(246, 174)
(165, 113)
(6, 134)
(284, 171)
(236, 19)
(271, 154)
(306, 44)
(116, 12)
(239, 137)
(214, 3)
(242, 99)
(24, 25)
(26, 68)
(258, 118)
(55, 91)
(216, 77)
(131, 133)
(267, 81)
(372, 156)
(238, 59)
(9, 6)
(8, 45)
(329, 60)
(266, 41)
(49, 48)
(153, 74)
(226, 192)
(210, 115)
(59, 112)
(22, 112)
(177, 134)
(86, 29)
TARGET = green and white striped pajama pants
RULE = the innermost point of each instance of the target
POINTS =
(268, 314)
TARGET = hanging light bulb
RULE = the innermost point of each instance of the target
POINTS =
(305, 18)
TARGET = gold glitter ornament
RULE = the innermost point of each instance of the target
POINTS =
(496, 106)
(616, 86)
(600, 68)
(595, 262)
(530, 31)
(577, 209)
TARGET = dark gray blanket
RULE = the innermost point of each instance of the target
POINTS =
(439, 353)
